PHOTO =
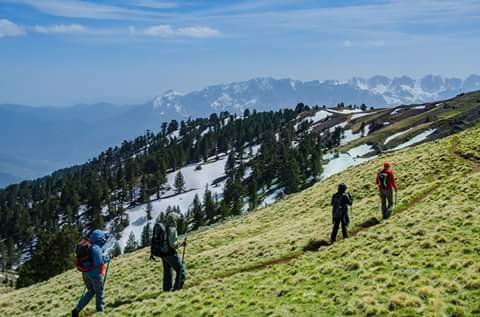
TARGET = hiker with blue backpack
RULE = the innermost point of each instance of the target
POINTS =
(164, 245)
(340, 202)
(94, 267)
(386, 185)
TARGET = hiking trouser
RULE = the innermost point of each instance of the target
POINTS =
(172, 262)
(386, 196)
(336, 223)
(94, 287)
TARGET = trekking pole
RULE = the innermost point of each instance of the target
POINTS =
(184, 247)
(83, 293)
(106, 273)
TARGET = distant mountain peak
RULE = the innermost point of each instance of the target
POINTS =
(267, 93)
(167, 100)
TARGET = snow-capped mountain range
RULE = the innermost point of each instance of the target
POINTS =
(269, 93)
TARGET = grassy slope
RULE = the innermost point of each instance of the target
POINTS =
(424, 260)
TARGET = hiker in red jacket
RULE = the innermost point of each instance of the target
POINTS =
(386, 184)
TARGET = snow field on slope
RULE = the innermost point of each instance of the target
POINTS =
(349, 136)
(318, 116)
(359, 115)
(396, 111)
(195, 184)
(345, 160)
(396, 135)
(416, 139)
(346, 111)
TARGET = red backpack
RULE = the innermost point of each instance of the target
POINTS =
(84, 260)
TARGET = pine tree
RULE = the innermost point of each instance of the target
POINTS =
(252, 194)
(230, 165)
(3, 256)
(233, 195)
(179, 183)
(146, 235)
(132, 244)
(148, 210)
(160, 218)
(291, 175)
(209, 205)
(94, 206)
(316, 165)
(160, 179)
(117, 250)
(198, 215)
(181, 224)
(144, 196)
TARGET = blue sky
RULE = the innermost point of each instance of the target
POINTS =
(62, 52)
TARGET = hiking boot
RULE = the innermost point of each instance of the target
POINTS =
(75, 313)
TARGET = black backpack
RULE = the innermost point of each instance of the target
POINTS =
(159, 245)
(383, 177)
(338, 206)
(83, 256)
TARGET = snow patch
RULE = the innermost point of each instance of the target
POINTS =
(359, 115)
(317, 117)
(396, 111)
(345, 160)
(360, 150)
(349, 136)
(417, 139)
(346, 111)
(396, 135)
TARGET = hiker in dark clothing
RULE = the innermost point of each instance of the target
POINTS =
(340, 202)
(164, 244)
(94, 271)
(386, 184)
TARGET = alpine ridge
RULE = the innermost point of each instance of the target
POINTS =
(267, 93)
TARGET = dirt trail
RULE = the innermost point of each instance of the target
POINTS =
(474, 165)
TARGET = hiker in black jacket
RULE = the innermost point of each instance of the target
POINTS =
(340, 202)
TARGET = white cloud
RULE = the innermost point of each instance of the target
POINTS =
(159, 30)
(61, 29)
(8, 28)
(347, 43)
(192, 31)
(198, 32)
